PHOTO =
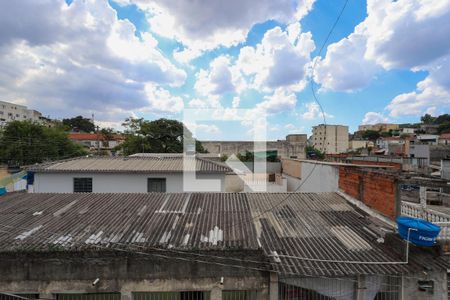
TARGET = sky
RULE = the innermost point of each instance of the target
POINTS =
(385, 61)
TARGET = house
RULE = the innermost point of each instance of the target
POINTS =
(330, 139)
(444, 139)
(15, 112)
(208, 246)
(133, 175)
(430, 139)
(94, 141)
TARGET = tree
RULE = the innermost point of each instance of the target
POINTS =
(442, 119)
(444, 128)
(314, 153)
(79, 124)
(158, 136)
(427, 119)
(108, 135)
(25, 143)
(371, 135)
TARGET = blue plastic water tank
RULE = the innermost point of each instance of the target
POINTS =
(424, 235)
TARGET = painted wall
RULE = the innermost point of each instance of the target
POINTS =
(118, 182)
(317, 178)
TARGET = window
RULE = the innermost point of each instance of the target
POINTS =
(239, 295)
(186, 295)
(156, 185)
(93, 296)
(82, 185)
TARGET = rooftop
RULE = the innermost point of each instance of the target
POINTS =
(158, 164)
(81, 136)
(318, 228)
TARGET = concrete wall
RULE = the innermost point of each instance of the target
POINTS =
(311, 177)
(445, 168)
(420, 150)
(438, 152)
(116, 182)
(293, 146)
(376, 190)
(51, 273)
(318, 178)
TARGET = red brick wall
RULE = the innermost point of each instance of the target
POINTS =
(376, 190)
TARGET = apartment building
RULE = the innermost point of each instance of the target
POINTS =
(14, 112)
(331, 139)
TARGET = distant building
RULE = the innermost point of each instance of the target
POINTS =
(358, 144)
(130, 175)
(408, 130)
(382, 127)
(430, 139)
(331, 139)
(292, 147)
(429, 128)
(15, 112)
(444, 139)
(96, 140)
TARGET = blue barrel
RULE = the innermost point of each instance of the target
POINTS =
(423, 233)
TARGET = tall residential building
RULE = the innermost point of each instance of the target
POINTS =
(331, 139)
(14, 112)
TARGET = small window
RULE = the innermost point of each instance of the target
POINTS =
(239, 295)
(90, 296)
(82, 185)
(156, 185)
(186, 295)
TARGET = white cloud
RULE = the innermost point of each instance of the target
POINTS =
(313, 111)
(62, 59)
(210, 102)
(280, 101)
(202, 129)
(206, 25)
(162, 101)
(280, 60)
(221, 78)
(235, 103)
(374, 118)
(429, 97)
(344, 67)
(407, 34)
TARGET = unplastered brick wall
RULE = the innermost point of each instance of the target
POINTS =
(396, 166)
(376, 190)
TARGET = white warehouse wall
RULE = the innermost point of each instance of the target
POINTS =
(115, 182)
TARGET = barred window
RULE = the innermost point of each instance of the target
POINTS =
(82, 185)
(156, 185)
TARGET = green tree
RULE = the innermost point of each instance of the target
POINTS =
(25, 143)
(371, 135)
(314, 153)
(108, 135)
(158, 136)
(427, 119)
(442, 119)
(444, 128)
(79, 124)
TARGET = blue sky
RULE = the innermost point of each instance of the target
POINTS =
(384, 62)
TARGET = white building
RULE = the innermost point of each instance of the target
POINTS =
(132, 175)
(14, 112)
(331, 139)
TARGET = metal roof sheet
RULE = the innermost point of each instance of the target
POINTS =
(312, 226)
(133, 165)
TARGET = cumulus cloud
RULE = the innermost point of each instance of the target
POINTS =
(62, 57)
(313, 111)
(408, 34)
(344, 68)
(221, 78)
(206, 25)
(429, 97)
(280, 101)
(280, 60)
(374, 118)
